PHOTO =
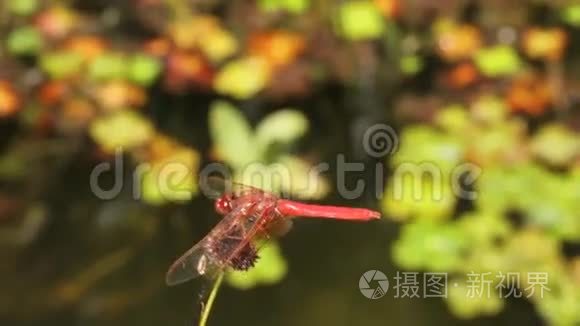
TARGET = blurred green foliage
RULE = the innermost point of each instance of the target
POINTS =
(498, 61)
(512, 175)
(360, 20)
(293, 6)
(111, 132)
(24, 7)
(24, 40)
(260, 156)
(270, 268)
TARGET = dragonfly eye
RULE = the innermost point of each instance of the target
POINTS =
(223, 205)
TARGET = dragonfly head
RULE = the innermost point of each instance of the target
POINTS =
(223, 205)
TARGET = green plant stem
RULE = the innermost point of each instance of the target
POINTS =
(206, 308)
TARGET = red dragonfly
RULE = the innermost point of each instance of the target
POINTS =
(249, 214)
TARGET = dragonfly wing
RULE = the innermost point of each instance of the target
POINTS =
(205, 258)
(193, 263)
(239, 248)
(214, 187)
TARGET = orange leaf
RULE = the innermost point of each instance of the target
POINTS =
(87, 46)
(548, 43)
(279, 48)
(158, 47)
(53, 92)
(185, 69)
(57, 22)
(389, 8)
(529, 94)
(10, 102)
(462, 75)
(120, 94)
(456, 42)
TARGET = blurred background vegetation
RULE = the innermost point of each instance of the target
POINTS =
(293, 83)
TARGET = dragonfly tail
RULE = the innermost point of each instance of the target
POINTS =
(292, 208)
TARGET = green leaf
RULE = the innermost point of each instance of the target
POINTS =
(465, 303)
(108, 66)
(453, 119)
(24, 41)
(431, 246)
(293, 6)
(243, 78)
(144, 69)
(556, 144)
(422, 195)
(22, 7)
(284, 126)
(532, 250)
(490, 109)
(296, 6)
(232, 135)
(173, 179)
(496, 188)
(270, 268)
(124, 130)
(423, 144)
(484, 229)
(61, 64)
(571, 14)
(411, 64)
(304, 181)
(289, 174)
(360, 20)
(497, 61)
(561, 307)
